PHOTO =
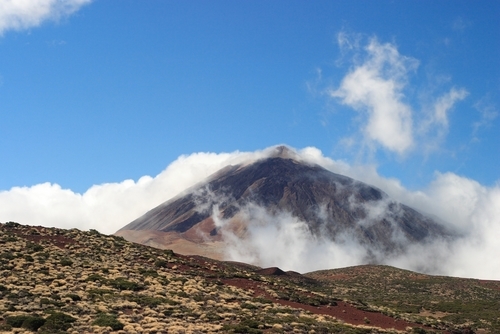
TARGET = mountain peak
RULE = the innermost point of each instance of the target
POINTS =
(239, 200)
(283, 152)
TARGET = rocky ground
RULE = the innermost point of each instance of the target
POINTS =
(71, 281)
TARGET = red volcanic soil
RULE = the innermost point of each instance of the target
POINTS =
(342, 311)
(490, 284)
(57, 240)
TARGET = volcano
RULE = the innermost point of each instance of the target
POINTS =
(328, 206)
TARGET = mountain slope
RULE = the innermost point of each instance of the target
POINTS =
(71, 281)
(329, 205)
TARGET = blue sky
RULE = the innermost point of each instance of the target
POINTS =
(109, 108)
(114, 90)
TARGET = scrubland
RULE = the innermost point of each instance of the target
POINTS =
(71, 281)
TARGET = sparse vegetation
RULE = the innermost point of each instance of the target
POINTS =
(435, 301)
(69, 281)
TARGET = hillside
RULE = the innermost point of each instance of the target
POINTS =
(418, 296)
(70, 281)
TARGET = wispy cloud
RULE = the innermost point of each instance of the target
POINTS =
(25, 14)
(434, 124)
(444, 104)
(375, 88)
(349, 41)
(488, 113)
(460, 24)
(464, 204)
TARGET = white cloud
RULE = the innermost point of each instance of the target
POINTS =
(108, 207)
(375, 87)
(25, 14)
(445, 103)
(466, 205)
(285, 241)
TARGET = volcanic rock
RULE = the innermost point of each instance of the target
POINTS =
(272, 271)
(332, 206)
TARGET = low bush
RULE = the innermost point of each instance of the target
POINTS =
(121, 283)
(5, 327)
(248, 306)
(108, 320)
(12, 224)
(262, 300)
(43, 256)
(169, 252)
(29, 258)
(28, 322)
(74, 297)
(66, 262)
(419, 330)
(245, 326)
(149, 301)
(33, 323)
(16, 321)
(94, 232)
(99, 293)
(150, 273)
(95, 277)
(7, 256)
(161, 263)
(33, 247)
(47, 301)
(57, 322)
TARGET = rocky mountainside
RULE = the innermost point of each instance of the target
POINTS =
(70, 281)
(332, 206)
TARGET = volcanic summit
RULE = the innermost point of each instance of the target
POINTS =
(225, 207)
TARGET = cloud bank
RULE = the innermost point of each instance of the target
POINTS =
(464, 204)
(25, 14)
